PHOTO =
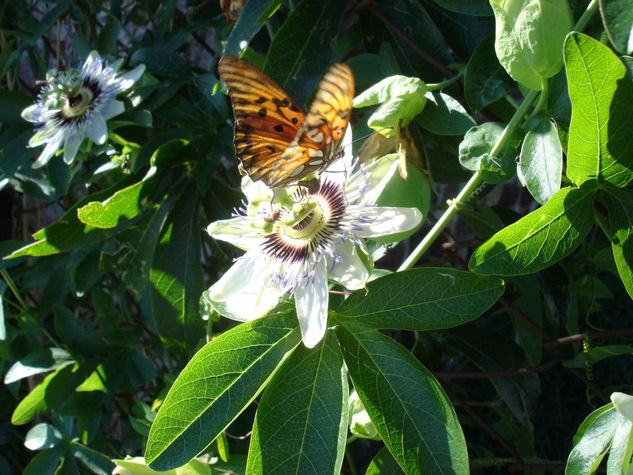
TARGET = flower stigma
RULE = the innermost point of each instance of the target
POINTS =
(308, 225)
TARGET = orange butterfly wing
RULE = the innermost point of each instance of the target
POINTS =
(266, 118)
(322, 130)
(275, 141)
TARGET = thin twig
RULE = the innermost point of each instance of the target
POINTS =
(567, 340)
(500, 374)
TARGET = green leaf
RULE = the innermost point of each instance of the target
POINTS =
(406, 404)
(161, 62)
(595, 354)
(68, 465)
(421, 30)
(44, 462)
(401, 98)
(593, 439)
(219, 382)
(421, 299)
(95, 461)
(50, 393)
(307, 33)
(467, 7)
(176, 273)
(68, 232)
(443, 115)
(106, 42)
(529, 301)
(42, 436)
(617, 18)
(539, 239)
(12, 103)
(121, 206)
(541, 161)
(78, 334)
(601, 93)
(106, 379)
(253, 16)
(139, 262)
(483, 221)
(45, 23)
(14, 152)
(41, 360)
(485, 80)
(301, 420)
(3, 324)
(490, 352)
(620, 207)
(474, 153)
(384, 464)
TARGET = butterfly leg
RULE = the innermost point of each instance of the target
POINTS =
(312, 185)
(274, 214)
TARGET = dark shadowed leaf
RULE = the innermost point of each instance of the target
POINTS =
(176, 273)
(301, 50)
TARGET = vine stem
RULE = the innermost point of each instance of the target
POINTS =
(441, 85)
(469, 189)
(7, 278)
(586, 16)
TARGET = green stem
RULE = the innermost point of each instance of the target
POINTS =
(542, 100)
(586, 16)
(435, 231)
(469, 189)
(350, 463)
(24, 309)
(14, 289)
(511, 101)
(441, 85)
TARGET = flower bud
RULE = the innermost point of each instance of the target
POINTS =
(359, 422)
(529, 37)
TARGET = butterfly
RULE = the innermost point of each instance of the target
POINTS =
(275, 140)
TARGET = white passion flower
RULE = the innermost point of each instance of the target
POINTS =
(76, 104)
(305, 240)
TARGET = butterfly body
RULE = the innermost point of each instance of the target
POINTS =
(275, 140)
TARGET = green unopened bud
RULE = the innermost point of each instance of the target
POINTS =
(529, 37)
(359, 422)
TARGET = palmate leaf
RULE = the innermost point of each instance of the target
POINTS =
(407, 405)
(217, 384)
(301, 420)
(601, 94)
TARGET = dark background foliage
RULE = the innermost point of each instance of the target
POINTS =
(120, 306)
